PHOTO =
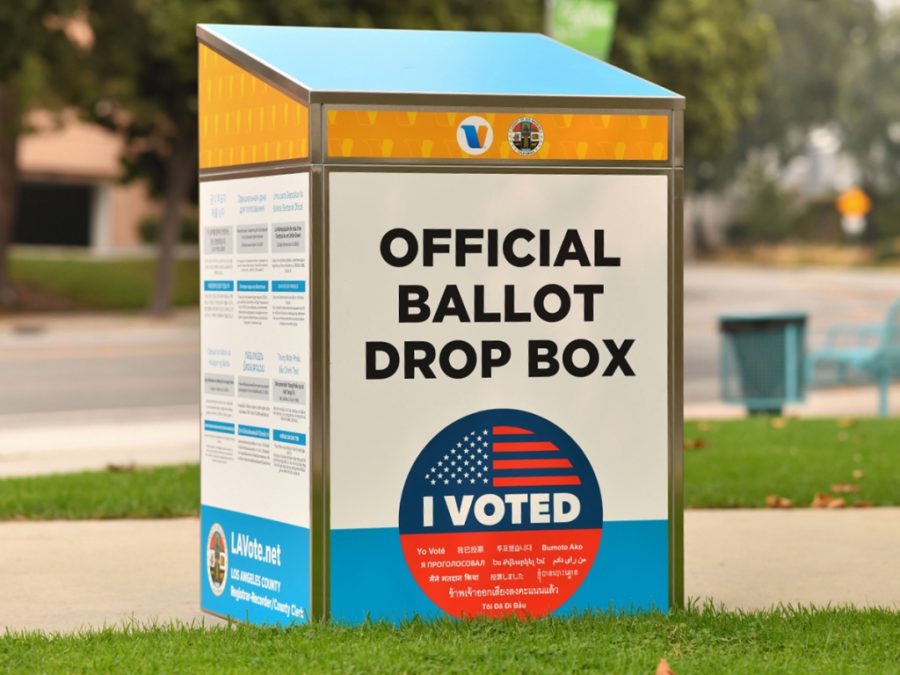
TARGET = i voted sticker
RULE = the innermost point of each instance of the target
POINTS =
(500, 515)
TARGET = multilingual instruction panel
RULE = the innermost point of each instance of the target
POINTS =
(254, 247)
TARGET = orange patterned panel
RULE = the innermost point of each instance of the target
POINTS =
(243, 120)
(433, 135)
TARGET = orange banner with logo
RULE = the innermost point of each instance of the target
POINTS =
(374, 134)
(243, 120)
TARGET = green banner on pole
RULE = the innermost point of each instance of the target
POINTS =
(586, 25)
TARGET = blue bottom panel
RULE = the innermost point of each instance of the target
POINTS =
(370, 578)
(253, 569)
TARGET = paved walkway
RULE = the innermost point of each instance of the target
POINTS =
(755, 558)
(857, 401)
(62, 576)
(69, 575)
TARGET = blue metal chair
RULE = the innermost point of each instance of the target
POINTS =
(875, 352)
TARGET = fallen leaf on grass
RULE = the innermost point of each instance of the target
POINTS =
(704, 426)
(844, 488)
(846, 422)
(778, 423)
(862, 505)
(843, 436)
(663, 668)
(121, 468)
(858, 473)
(823, 500)
(694, 443)
(776, 502)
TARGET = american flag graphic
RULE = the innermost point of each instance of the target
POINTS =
(501, 456)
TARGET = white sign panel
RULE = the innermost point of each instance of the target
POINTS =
(499, 391)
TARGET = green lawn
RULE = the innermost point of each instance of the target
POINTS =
(163, 492)
(103, 284)
(727, 464)
(739, 463)
(694, 641)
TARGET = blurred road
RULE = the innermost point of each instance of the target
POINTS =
(84, 391)
(50, 364)
(828, 296)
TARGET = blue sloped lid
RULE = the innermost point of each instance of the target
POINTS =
(432, 62)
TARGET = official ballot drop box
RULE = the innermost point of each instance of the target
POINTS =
(441, 327)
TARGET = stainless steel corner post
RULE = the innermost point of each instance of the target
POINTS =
(441, 327)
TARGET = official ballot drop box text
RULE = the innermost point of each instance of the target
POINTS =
(441, 327)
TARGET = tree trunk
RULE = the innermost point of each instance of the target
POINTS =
(869, 185)
(180, 173)
(9, 186)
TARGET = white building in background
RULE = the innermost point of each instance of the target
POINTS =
(71, 192)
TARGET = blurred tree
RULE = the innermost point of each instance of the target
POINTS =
(145, 67)
(869, 107)
(145, 63)
(768, 212)
(714, 52)
(816, 40)
(836, 67)
(40, 42)
(496, 15)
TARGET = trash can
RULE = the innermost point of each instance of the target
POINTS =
(440, 311)
(762, 360)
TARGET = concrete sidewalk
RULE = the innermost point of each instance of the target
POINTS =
(71, 575)
(856, 401)
(756, 558)
(62, 576)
